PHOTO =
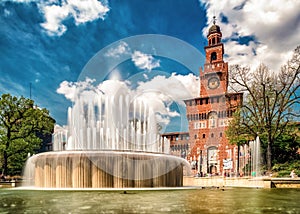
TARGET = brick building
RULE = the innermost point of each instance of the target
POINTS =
(209, 114)
(179, 143)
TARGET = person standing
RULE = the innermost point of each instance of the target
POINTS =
(293, 174)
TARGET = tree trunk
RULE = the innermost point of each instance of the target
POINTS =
(238, 162)
(269, 155)
(4, 166)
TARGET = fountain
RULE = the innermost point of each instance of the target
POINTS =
(255, 157)
(111, 142)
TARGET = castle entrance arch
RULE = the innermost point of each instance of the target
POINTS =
(212, 161)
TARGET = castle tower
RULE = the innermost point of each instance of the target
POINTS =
(209, 114)
(214, 79)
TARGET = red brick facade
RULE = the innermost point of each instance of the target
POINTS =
(209, 114)
(179, 143)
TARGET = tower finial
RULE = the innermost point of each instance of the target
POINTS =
(214, 21)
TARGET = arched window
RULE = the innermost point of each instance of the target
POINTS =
(212, 156)
(213, 119)
(213, 56)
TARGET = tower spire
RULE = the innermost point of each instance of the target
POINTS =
(214, 21)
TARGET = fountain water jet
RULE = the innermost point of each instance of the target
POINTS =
(112, 141)
(255, 157)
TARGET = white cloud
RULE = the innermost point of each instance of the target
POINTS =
(163, 119)
(274, 24)
(177, 87)
(7, 13)
(54, 16)
(56, 11)
(37, 77)
(122, 48)
(191, 84)
(81, 10)
(72, 89)
(159, 92)
(68, 90)
(87, 10)
(145, 76)
(144, 61)
(21, 1)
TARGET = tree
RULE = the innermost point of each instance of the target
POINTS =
(287, 145)
(237, 134)
(270, 100)
(20, 123)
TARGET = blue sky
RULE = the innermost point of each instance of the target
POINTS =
(49, 44)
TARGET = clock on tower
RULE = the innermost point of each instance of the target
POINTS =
(213, 82)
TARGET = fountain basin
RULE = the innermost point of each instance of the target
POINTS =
(104, 169)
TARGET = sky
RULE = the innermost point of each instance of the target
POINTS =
(51, 50)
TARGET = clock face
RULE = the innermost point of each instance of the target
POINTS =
(213, 82)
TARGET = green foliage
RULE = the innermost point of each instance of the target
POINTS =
(284, 170)
(287, 144)
(287, 166)
(269, 106)
(20, 124)
(236, 132)
(284, 173)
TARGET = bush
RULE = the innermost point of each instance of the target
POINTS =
(284, 170)
(284, 173)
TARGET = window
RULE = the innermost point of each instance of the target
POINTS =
(221, 123)
(213, 119)
(195, 136)
(212, 135)
(213, 56)
(221, 134)
(203, 136)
